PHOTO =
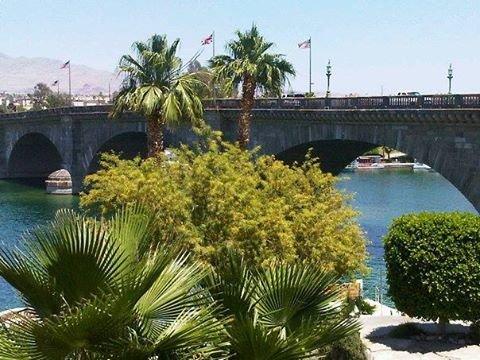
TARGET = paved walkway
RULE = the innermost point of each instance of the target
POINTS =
(380, 346)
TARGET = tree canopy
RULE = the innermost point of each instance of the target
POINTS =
(250, 63)
(219, 198)
(433, 265)
(158, 86)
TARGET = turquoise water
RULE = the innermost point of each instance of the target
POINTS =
(379, 195)
(23, 207)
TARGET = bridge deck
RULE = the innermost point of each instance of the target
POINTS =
(437, 102)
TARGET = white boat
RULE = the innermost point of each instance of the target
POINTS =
(421, 166)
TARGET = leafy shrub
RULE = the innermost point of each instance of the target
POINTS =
(405, 331)
(349, 348)
(433, 265)
(221, 198)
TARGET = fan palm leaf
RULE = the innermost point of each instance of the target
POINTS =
(97, 289)
(282, 312)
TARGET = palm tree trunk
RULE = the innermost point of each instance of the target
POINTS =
(248, 94)
(155, 129)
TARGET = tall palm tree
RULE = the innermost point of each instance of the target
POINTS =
(99, 290)
(286, 312)
(250, 64)
(157, 86)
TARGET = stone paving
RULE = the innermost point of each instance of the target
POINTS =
(376, 327)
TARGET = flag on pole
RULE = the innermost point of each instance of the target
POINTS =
(65, 65)
(55, 83)
(208, 40)
(305, 45)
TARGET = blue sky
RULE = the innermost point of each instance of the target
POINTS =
(400, 45)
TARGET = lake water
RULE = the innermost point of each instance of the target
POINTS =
(379, 196)
(382, 195)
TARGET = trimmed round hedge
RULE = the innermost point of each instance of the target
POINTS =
(433, 265)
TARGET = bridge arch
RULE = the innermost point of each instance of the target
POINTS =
(33, 155)
(127, 144)
(334, 155)
(450, 149)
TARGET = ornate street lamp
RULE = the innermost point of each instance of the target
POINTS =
(329, 73)
(450, 77)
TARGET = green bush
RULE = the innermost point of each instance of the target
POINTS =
(349, 348)
(223, 198)
(433, 265)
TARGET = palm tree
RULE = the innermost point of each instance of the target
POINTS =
(99, 290)
(250, 64)
(157, 86)
(287, 312)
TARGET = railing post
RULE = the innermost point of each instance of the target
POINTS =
(327, 103)
(458, 101)
(420, 101)
(386, 102)
(354, 102)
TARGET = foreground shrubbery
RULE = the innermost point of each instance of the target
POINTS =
(224, 198)
(102, 290)
(348, 348)
(433, 265)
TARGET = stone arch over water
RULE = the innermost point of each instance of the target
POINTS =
(447, 148)
(334, 155)
(33, 156)
(127, 145)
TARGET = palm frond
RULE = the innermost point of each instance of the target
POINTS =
(157, 85)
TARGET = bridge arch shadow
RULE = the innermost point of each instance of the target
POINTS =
(127, 145)
(334, 155)
(33, 156)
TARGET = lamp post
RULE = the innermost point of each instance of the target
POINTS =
(329, 73)
(450, 77)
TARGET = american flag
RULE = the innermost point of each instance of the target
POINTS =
(65, 65)
(208, 40)
(305, 45)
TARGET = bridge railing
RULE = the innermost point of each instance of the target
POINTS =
(370, 102)
(466, 101)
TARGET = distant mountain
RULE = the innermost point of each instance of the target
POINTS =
(21, 74)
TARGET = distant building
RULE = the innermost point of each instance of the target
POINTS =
(90, 100)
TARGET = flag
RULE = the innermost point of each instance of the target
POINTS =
(55, 83)
(65, 65)
(208, 40)
(305, 45)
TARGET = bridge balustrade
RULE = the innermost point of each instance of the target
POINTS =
(293, 103)
(370, 102)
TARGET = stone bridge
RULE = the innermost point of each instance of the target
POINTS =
(441, 131)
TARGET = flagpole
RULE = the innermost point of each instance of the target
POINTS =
(70, 83)
(310, 66)
(58, 87)
(213, 82)
(213, 43)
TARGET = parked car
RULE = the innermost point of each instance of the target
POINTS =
(409, 93)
